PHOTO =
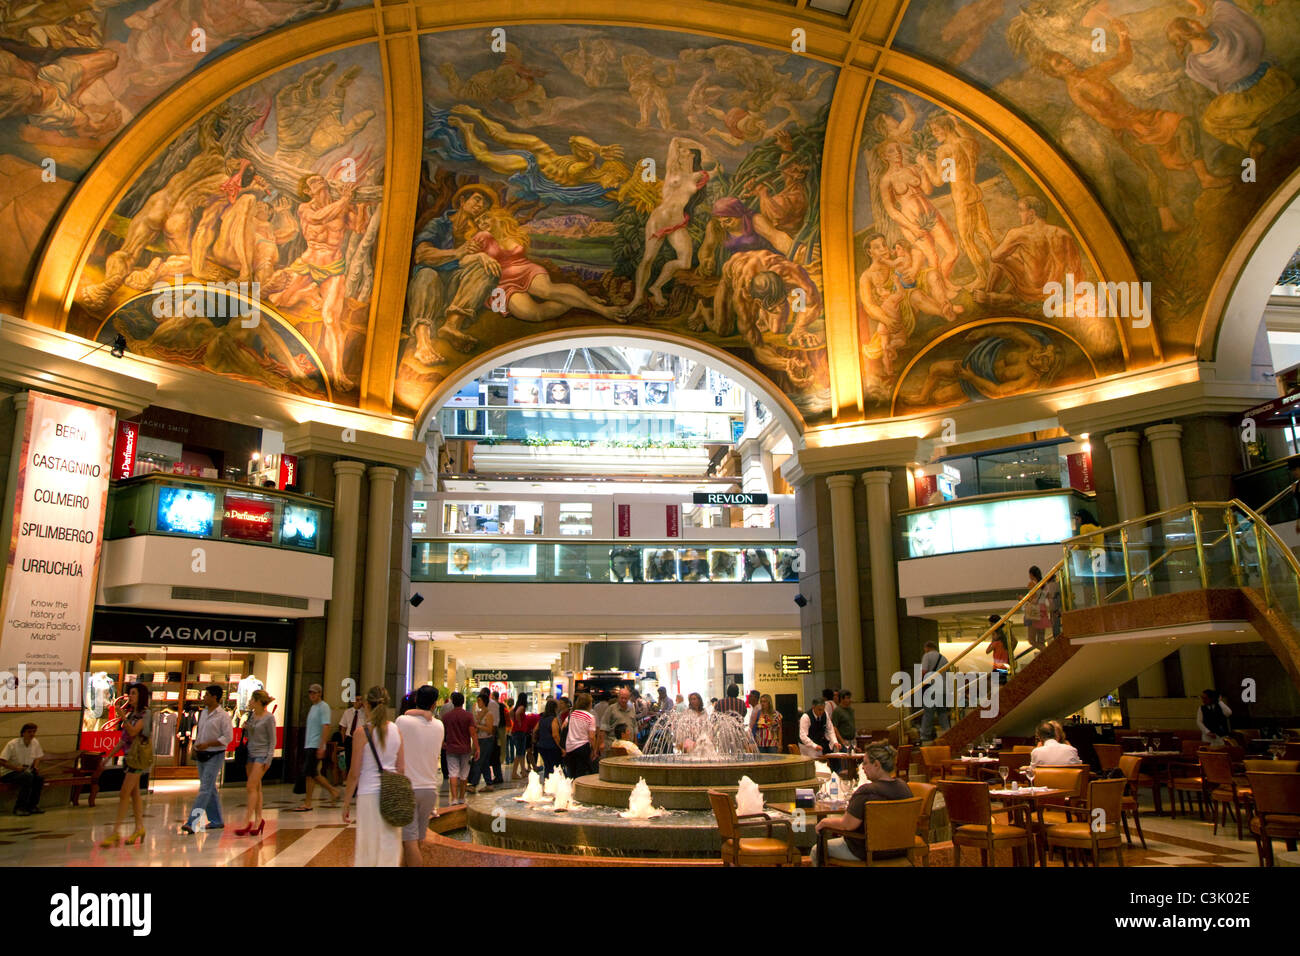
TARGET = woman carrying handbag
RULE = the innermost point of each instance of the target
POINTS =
(259, 736)
(376, 748)
(137, 744)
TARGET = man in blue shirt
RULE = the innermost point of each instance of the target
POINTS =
(318, 719)
(438, 273)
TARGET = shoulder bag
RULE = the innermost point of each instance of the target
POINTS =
(396, 795)
(139, 756)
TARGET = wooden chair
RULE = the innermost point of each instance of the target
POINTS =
(888, 827)
(1272, 766)
(1225, 792)
(1108, 756)
(1022, 749)
(1191, 749)
(737, 850)
(933, 758)
(1292, 751)
(1185, 779)
(1131, 767)
(1051, 810)
(1013, 762)
(926, 791)
(76, 769)
(903, 762)
(1277, 812)
(1090, 830)
(971, 814)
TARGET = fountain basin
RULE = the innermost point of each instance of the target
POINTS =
(685, 784)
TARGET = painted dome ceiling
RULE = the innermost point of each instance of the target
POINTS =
(883, 209)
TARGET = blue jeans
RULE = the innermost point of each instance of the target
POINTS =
(487, 747)
(209, 798)
(928, 718)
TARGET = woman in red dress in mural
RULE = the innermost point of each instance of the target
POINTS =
(530, 293)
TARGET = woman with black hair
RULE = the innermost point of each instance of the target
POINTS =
(136, 743)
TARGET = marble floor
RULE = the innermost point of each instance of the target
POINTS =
(69, 836)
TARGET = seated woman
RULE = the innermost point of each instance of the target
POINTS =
(878, 765)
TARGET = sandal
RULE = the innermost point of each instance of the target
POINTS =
(302, 809)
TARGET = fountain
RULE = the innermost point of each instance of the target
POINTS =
(551, 780)
(533, 793)
(639, 804)
(623, 806)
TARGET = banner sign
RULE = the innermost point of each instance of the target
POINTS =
(128, 440)
(248, 519)
(481, 678)
(60, 497)
(193, 630)
(728, 498)
(674, 525)
(625, 521)
(288, 471)
(796, 664)
(1080, 469)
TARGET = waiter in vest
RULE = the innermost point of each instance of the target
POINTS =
(1212, 718)
(816, 734)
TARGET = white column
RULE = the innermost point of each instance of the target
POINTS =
(884, 586)
(847, 607)
(1171, 489)
(420, 668)
(374, 614)
(338, 628)
(1130, 503)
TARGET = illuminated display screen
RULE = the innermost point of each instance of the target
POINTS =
(186, 511)
(300, 527)
(982, 525)
(248, 519)
(473, 559)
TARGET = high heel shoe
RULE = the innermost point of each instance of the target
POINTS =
(136, 837)
(244, 830)
(114, 840)
(256, 831)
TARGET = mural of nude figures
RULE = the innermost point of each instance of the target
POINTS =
(74, 73)
(1162, 104)
(950, 233)
(272, 199)
(577, 178)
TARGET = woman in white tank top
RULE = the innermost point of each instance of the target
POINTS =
(378, 843)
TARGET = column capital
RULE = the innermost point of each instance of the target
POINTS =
(840, 481)
(876, 478)
(350, 468)
(1122, 440)
(382, 473)
(1166, 432)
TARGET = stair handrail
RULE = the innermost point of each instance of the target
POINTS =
(986, 635)
(1264, 530)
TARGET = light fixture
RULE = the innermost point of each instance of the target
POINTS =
(417, 599)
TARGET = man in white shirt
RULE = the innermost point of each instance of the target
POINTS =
(353, 717)
(19, 760)
(212, 735)
(1051, 752)
(816, 732)
(1212, 718)
(422, 735)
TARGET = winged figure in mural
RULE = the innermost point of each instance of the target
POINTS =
(508, 82)
(1003, 360)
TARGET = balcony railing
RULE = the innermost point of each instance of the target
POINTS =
(218, 511)
(594, 562)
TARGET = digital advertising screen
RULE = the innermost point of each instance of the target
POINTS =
(300, 527)
(186, 511)
(248, 519)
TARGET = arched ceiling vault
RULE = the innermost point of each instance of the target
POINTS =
(859, 46)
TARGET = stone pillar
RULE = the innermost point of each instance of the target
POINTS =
(848, 610)
(884, 585)
(1128, 474)
(342, 607)
(379, 537)
(1130, 503)
(1171, 489)
(420, 668)
(438, 662)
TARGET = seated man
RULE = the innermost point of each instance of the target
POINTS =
(1050, 751)
(19, 760)
(878, 765)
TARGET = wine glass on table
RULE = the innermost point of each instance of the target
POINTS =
(1030, 773)
(1004, 771)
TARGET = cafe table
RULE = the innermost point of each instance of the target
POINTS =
(971, 763)
(817, 811)
(1029, 796)
(1159, 761)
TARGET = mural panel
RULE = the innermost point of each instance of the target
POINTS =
(1183, 115)
(75, 72)
(247, 249)
(957, 250)
(593, 175)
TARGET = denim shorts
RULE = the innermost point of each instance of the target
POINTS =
(266, 759)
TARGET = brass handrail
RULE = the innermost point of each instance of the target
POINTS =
(986, 635)
(1288, 490)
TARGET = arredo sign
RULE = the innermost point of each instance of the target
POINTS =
(509, 677)
(193, 630)
(729, 498)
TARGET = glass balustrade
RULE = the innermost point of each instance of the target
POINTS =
(218, 511)
(592, 562)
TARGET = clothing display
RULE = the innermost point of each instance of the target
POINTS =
(165, 736)
(244, 692)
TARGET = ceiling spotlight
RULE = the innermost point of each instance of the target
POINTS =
(119, 347)
(417, 599)
(800, 600)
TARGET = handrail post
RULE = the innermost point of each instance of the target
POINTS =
(1263, 564)
(1238, 572)
(1066, 603)
(1200, 548)
(1128, 574)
